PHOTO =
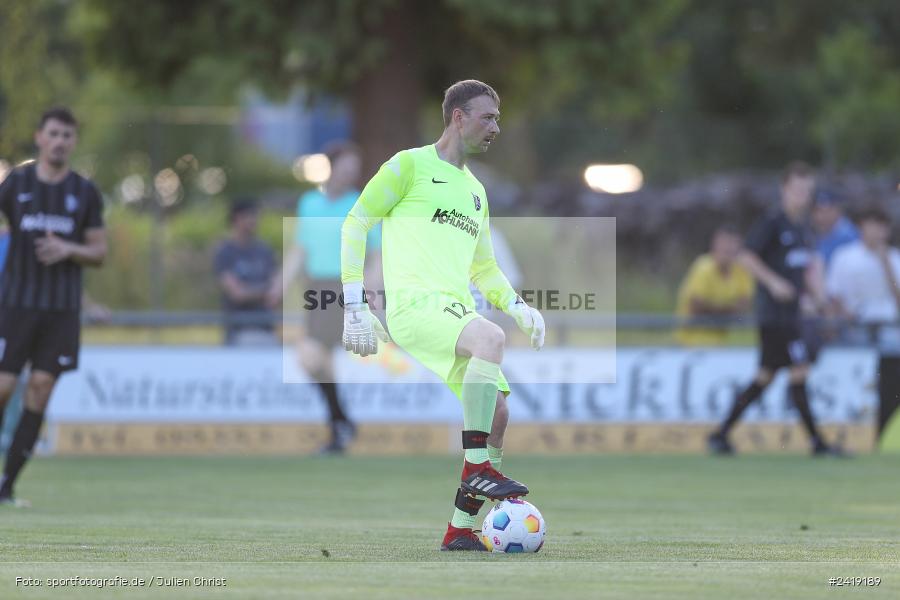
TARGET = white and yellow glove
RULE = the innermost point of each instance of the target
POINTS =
(529, 321)
(362, 329)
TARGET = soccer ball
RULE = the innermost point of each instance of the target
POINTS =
(513, 525)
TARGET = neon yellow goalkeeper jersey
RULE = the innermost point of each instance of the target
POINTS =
(435, 235)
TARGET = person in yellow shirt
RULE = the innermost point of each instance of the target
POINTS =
(715, 286)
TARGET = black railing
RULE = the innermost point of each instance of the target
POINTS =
(554, 320)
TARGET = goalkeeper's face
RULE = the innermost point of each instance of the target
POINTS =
(479, 124)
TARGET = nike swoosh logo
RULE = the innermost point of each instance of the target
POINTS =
(433, 180)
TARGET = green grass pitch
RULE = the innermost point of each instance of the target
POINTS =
(772, 526)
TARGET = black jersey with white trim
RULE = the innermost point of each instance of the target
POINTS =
(34, 208)
(786, 248)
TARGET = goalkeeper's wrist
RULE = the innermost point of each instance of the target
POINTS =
(512, 304)
(354, 293)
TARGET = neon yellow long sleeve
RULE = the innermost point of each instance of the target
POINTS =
(380, 195)
(486, 274)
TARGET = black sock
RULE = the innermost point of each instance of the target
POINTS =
(741, 402)
(797, 393)
(20, 449)
(335, 410)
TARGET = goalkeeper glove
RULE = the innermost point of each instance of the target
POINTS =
(529, 321)
(362, 329)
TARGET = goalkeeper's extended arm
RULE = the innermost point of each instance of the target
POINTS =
(495, 287)
(362, 329)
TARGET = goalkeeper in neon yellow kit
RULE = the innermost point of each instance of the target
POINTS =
(435, 240)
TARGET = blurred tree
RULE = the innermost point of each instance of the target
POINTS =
(387, 56)
(770, 81)
(857, 85)
(816, 63)
(37, 68)
(681, 88)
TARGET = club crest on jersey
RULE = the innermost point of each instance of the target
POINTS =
(477, 201)
(71, 203)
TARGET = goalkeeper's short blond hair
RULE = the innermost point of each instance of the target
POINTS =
(460, 93)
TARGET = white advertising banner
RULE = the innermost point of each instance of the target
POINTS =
(222, 385)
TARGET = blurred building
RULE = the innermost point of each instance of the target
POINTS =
(294, 127)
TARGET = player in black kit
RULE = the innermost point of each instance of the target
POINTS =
(56, 226)
(779, 254)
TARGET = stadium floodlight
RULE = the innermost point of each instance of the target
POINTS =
(614, 179)
(314, 168)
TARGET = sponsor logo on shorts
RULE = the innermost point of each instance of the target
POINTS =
(65, 361)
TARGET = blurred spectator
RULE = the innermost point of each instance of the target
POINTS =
(4, 245)
(832, 228)
(317, 252)
(715, 286)
(245, 267)
(864, 285)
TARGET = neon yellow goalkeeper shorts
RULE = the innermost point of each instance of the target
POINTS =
(429, 328)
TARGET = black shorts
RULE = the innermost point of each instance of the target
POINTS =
(782, 346)
(888, 390)
(48, 339)
(325, 320)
